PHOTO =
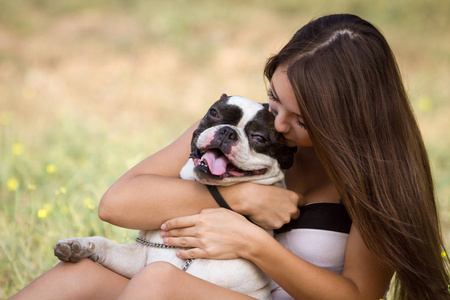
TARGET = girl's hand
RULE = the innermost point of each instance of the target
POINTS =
(215, 233)
(268, 206)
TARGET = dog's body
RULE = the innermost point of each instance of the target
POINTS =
(236, 141)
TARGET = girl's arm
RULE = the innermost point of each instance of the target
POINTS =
(152, 192)
(363, 277)
(222, 234)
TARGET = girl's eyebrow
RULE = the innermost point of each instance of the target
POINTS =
(276, 99)
(274, 93)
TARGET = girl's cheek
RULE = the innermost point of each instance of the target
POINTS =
(305, 139)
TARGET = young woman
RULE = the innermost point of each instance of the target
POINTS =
(337, 95)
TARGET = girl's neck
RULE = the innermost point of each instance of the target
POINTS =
(309, 178)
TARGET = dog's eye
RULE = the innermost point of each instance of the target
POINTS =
(259, 138)
(213, 113)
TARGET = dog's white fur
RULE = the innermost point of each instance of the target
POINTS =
(237, 274)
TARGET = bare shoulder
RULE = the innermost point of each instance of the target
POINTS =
(363, 268)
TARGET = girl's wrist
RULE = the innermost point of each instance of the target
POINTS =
(232, 195)
(255, 241)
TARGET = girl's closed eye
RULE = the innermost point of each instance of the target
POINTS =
(300, 123)
(271, 99)
(271, 96)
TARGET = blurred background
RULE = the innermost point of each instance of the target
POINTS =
(88, 88)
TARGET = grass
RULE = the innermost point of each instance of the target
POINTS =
(89, 88)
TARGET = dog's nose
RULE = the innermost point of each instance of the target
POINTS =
(227, 133)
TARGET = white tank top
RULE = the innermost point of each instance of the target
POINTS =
(319, 237)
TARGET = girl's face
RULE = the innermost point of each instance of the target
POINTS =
(283, 105)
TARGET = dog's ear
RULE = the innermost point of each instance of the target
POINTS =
(224, 97)
(286, 157)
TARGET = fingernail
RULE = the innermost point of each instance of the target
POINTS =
(163, 226)
(178, 254)
(163, 233)
(165, 240)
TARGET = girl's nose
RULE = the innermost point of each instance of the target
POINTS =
(281, 124)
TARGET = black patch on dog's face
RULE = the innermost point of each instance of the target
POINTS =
(263, 138)
(222, 113)
(219, 113)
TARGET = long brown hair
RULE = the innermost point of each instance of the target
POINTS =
(357, 113)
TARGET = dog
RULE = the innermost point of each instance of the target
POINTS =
(235, 141)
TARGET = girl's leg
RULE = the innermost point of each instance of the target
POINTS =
(162, 280)
(82, 280)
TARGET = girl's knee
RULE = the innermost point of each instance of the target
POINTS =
(84, 269)
(161, 271)
(153, 281)
(88, 273)
(82, 280)
(83, 265)
(160, 274)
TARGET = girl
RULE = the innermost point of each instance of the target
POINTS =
(337, 95)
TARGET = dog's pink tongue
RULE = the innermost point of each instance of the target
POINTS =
(217, 162)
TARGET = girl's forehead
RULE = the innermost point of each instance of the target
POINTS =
(283, 92)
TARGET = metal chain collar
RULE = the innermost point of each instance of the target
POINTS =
(187, 262)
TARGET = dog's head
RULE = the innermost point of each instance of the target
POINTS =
(236, 141)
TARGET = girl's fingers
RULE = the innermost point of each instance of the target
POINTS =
(190, 231)
(189, 221)
(181, 222)
(192, 253)
(184, 242)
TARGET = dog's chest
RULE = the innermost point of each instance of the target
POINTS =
(227, 273)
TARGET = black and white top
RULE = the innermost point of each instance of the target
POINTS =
(319, 236)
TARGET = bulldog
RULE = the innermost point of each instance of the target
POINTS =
(235, 141)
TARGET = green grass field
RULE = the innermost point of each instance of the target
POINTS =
(90, 88)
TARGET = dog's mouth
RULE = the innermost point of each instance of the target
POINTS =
(215, 162)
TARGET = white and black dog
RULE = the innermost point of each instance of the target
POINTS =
(236, 141)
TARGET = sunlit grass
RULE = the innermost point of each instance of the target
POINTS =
(49, 192)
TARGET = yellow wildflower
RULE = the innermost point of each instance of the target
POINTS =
(17, 149)
(89, 203)
(31, 187)
(443, 254)
(50, 168)
(42, 213)
(12, 184)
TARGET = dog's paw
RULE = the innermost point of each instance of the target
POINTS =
(73, 250)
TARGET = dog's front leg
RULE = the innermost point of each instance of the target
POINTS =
(124, 259)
